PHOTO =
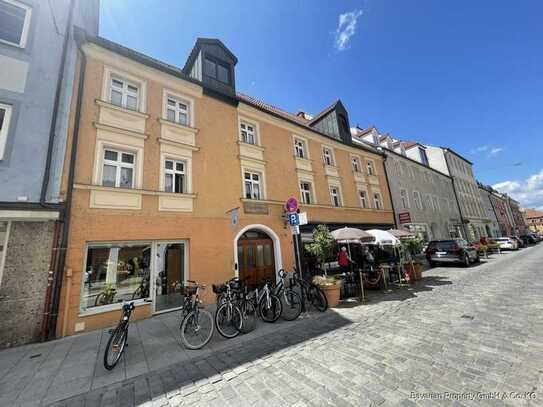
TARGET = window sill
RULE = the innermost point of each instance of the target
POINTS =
(110, 307)
(109, 105)
(249, 145)
(179, 126)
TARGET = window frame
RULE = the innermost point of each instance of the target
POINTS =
(356, 158)
(404, 196)
(378, 201)
(417, 200)
(260, 183)
(124, 92)
(174, 171)
(309, 191)
(216, 62)
(255, 132)
(114, 73)
(364, 202)
(26, 24)
(304, 147)
(330, 150)
(370, 164)
(337, 195)
(178, 98)
(119, 164)
(4, 130)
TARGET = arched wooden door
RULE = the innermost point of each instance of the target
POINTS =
(255, 257)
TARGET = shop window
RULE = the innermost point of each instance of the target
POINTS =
(115, 273)
(4, 231)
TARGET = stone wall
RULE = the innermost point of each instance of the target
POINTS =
(24, 281)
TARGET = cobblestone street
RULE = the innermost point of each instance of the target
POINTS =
(457, 331)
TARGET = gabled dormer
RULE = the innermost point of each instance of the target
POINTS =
(369, 135)
(416, 151)
(212, 64)
(333, 121)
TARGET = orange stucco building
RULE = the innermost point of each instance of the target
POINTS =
(177, 176)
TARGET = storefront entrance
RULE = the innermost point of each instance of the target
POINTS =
(169, 274)
(256, 260)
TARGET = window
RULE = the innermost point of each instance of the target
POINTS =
(5, 117)
(118, 169)
(217, 71)
(378, 203)
(436, 203)
(369, 166)
(363, 195)
(335, 196)
(327, 156)
(248, 133)
(429, 202)
(405, 198)
(177, 111)
(14, 22)
(416, 199)
(124, 94)
(300, 148)
(174, 176)
(306, 192)
(252, 184)
(114, 273)
(355, 161)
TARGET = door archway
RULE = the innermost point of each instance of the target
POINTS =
(257, 253)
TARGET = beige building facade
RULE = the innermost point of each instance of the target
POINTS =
(173, 175)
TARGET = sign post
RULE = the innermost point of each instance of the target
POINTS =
(294, 221)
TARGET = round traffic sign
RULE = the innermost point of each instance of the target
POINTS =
(292, 204)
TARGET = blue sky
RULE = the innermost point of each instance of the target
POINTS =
(463, 74)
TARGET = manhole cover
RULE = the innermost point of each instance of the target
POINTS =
(467, 316)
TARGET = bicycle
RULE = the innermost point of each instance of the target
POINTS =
(267, 304)
(310, 292)
(247, 308)
(197, 323)
(291, 301)
(119, 336)
(228, 318)
(143, 289)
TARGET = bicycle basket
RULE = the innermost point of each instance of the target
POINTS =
(219, 288)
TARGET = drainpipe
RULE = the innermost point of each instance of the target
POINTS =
(456, 198)
(389, 192)
(47, 172)
(59, 269)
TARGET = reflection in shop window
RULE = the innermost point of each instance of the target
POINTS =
(4, 228)
(115, 273)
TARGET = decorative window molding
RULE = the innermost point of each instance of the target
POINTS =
(364, 199)
(249, 132)
(377, 200)
(177, 108)
(253, 184)
(301, 147)
(5, 119)
(336, 198)
(356, 163)
(100, 161)
(118, 168)
(328, 156)
(15, 15)
(122, 96)
(370, 167)
(307, 192)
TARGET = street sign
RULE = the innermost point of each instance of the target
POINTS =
(302, 218)
(295, 230)
(404, 217)
(293, 219)
(291, 205)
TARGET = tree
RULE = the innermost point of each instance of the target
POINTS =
(322, 245)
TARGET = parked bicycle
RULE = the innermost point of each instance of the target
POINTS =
(248, 309)
(291, 301)
(197, 323)
(310, 293)
(268, 304)
(118, 339)
(228, 318)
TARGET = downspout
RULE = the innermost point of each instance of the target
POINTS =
(493, 209)
(52, 130)
(59, 269)
(389, 191)
(47, 173)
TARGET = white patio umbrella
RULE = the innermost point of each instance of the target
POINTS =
(400, 233)
(384, 238)
(351, 235)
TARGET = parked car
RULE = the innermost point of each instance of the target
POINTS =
(519, 241)
(507, 243)
(528, 239)
(451, 251)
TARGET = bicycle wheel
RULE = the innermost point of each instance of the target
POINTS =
(100, 299)
(228, 320)
(138, 293)
(115, 347)
(248, 317)
(317, 298)
(197, 329)
(291, 304)
(271, 313)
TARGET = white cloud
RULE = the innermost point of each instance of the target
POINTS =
(528, 192)
(486, 150)
(346, 28)
(495, 151)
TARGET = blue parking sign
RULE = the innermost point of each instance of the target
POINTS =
(293, 219)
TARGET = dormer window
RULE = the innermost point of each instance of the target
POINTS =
(217, 70)
(423, 156)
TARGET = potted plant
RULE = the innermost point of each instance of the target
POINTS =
(331, 288)
(413, 268)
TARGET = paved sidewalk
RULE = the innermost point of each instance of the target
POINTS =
(457, 329)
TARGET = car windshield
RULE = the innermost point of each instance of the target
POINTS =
(443, 245)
